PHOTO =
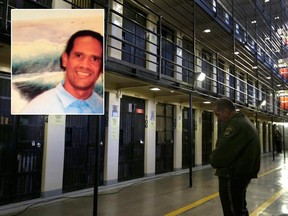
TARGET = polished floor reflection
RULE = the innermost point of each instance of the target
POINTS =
(168, 194)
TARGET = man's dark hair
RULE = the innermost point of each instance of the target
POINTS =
(82, 33)
(224, 103)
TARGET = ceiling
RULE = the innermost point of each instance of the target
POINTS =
(180, 14)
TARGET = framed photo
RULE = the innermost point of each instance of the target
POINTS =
(57, 61)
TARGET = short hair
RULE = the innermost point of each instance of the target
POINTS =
(224, 103)
(82, 33)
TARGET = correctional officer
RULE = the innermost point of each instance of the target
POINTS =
(236, 157)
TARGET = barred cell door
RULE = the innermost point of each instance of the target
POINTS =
(80, 157)
(165, 124)
(132, 134)
(185, 138)
(133, 35)
(207, 134)
(21, 153)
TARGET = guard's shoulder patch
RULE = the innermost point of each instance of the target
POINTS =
(228, 131)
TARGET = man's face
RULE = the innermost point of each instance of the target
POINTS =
(83, 65)
(222, 115)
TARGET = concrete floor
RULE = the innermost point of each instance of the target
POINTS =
(167, 194)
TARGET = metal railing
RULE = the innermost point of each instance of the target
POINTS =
(143, 39)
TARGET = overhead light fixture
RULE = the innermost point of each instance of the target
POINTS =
(207, 31)
(206, 102)
(253, 21)
(268, 78)
(266, 0)
(263, 103)
(254, 67)
(279, 85)
(277, 17)
(155, 89)
(236, 53)
(200, 76)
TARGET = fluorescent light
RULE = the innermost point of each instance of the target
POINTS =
(254, 67)
(263, 103)
(253, 21)
(266, 0)
(268, 78)
(207, 31)
(277, 17)
(207, 102)
(200, 76)
(155, 89)
(236, 53)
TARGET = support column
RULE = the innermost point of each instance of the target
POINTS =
(53, 156)
(150, 138)
(198, 137)
(112, 137)
(178, 139)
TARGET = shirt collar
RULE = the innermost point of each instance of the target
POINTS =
(67, 99)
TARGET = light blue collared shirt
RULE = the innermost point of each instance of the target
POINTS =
(59, 101)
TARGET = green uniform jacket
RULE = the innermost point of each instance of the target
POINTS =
(237, 153)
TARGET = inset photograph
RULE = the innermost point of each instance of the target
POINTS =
(57, 62)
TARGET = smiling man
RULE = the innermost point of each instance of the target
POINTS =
(83, 63)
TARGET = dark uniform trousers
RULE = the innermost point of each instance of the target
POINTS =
(233, 196)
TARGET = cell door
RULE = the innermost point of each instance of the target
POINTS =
(207, 134)
(21, 153)
(185, 138)
(241, 88)
(131, 143)
(220, 78)
(207, 68)
(134, 36)
(188, 61)
(167, 51)
(232, 83)
(165, 125)
(80, 156)
(264, 137)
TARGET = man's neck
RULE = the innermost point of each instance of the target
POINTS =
(78, 93)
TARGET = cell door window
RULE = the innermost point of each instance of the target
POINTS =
(188, 61)
(134, 36)
(167, 52)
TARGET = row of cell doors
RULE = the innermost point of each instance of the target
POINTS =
(22, 138)
(21, 155)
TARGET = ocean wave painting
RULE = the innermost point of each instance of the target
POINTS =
(38, 40)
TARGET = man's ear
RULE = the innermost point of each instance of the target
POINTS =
(64, 59)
